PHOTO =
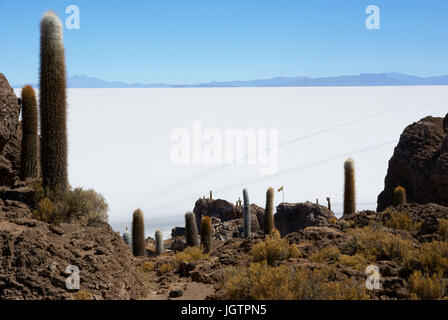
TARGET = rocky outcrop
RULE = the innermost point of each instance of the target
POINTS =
(419, 164)
(219, 208)
(10, 134)
(35, 256)
(292, 217)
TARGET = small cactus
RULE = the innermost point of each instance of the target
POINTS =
(211, 195)
(349, 187)
(399, 196)
(329, 203)
(269, 212)
(29, 164)
(206, 234)
(127, 237)
(191, 230)
(246, 215)
(138, 234)
(159, 243)
(53, 105)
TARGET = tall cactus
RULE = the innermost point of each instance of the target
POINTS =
(399, 196)
(246, 215)
(349, 187)
(53, 106)
(159, 243)
(29, 162)
(138, 234)
(329, 203)
(269, 212)
(127, 237)
(206, 234)
(191, 230)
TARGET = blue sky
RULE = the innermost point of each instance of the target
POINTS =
(190, 41)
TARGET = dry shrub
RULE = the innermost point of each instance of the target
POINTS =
(326, 255)
(260, 281)
(443, 229)
(84, 206)
(357, 261)
(165, 268)
(425, 287)
(376, 244)
(83, 295)
(273, 249)
(190, 254)
(403, 221)
(148, 266)
(431, 258)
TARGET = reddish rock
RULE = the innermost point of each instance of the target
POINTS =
(419, 164)
(292, 217)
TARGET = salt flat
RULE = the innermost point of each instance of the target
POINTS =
(119, 141)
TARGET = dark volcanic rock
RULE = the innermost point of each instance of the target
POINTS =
(292, 217)
(419, 164)
(178, 232)
(9, 112)
(219, 208)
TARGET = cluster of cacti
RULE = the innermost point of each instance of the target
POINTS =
(329, 203)
(53, 108)
(269, 212)
(206, 234)
(138, 234)
(159, 243)
(246, 215)
(127, 237)
(191, 230)
(349, 187)
(29, 164)
(399, 196)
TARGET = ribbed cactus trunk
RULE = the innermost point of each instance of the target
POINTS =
(206, 234)
(399, 196)
(138, 234)
(329, 203)
(246, 215)
(159, 243)
(269, 212)
(349, 187)
(191, 230)
(127, 237)
(53, 107)
(29, 162)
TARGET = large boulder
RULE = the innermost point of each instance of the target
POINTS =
(292, 217)
(419, 164)
(219, 208)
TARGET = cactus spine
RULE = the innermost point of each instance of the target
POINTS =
(127, 237)
(53, 106)
(191, 230)
(29, 162)
(329, 203)
(269, 212)
(349, 187)
(399, 196)
(138, 234)
(246, 214)
(206, 234)
(159, 243)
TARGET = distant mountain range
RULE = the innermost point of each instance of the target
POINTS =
(364, 79)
